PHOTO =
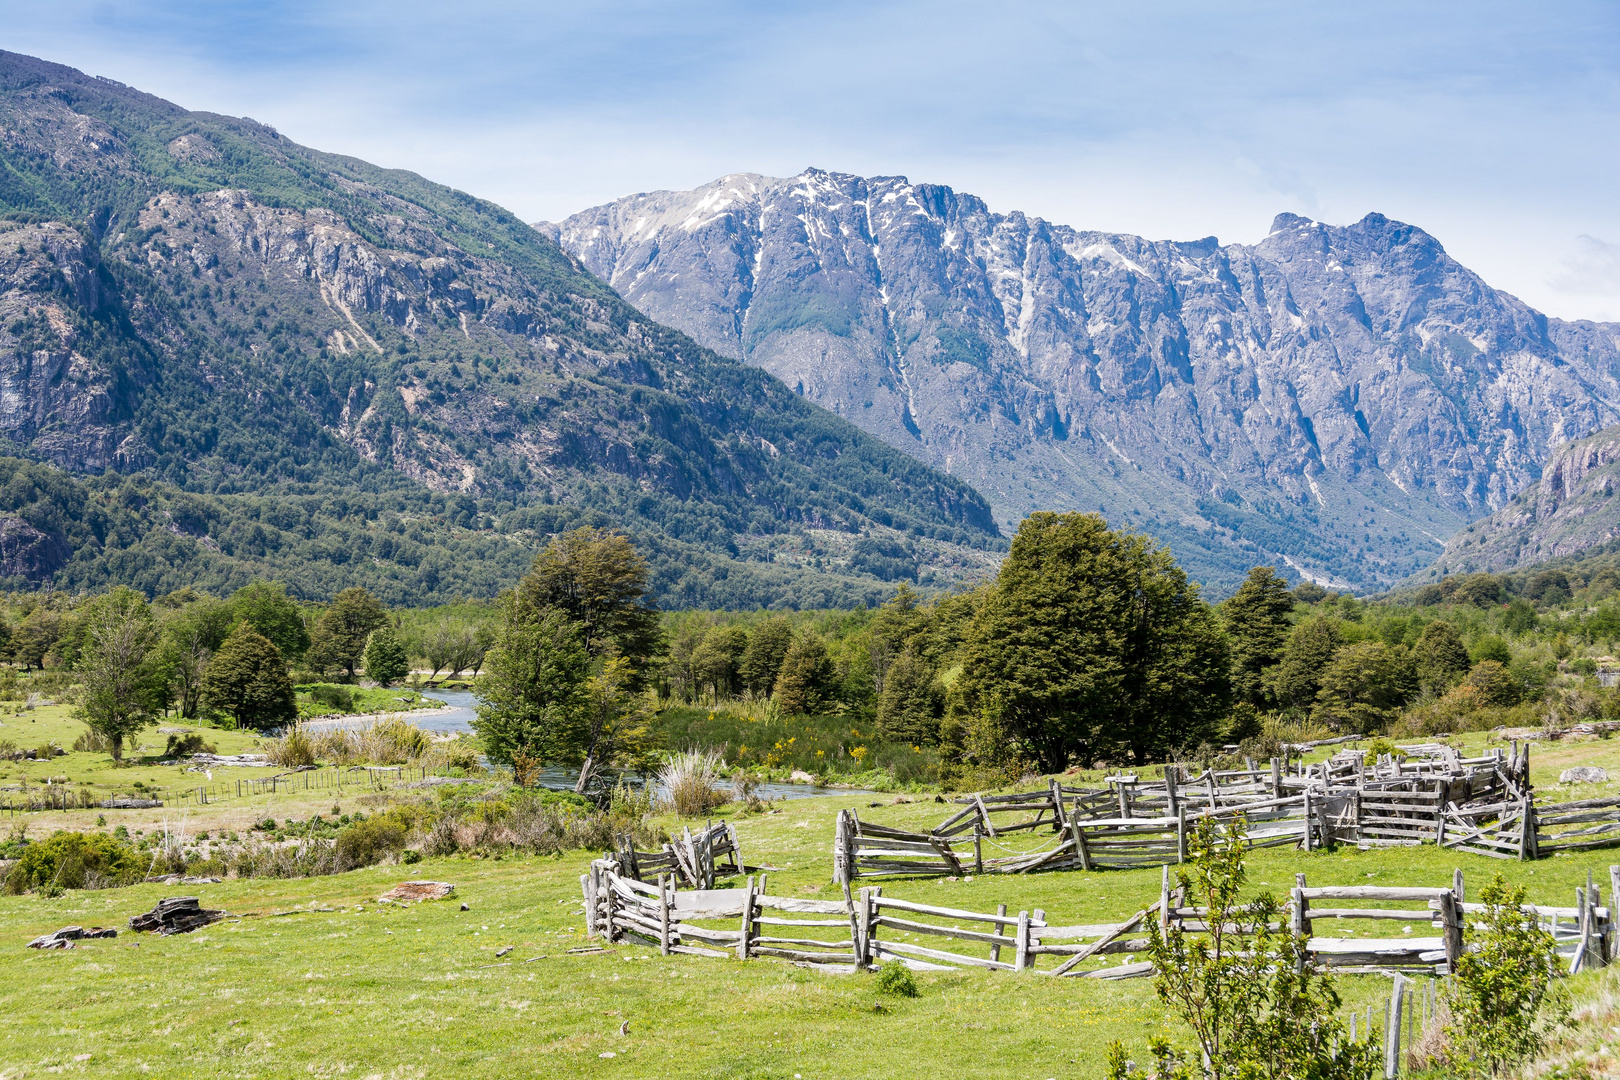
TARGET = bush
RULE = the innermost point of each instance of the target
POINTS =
(294, 749)
(93, 741)
(369, 842)
(691, 782)
(332, 696)
(896, 980)
(72, 860)
(180, 746)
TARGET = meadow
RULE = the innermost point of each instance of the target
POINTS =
(314, 977)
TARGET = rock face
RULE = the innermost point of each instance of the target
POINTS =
(1336, 399)
(196, 295)
(1571, 509)
(28, 552)
(1584, 774)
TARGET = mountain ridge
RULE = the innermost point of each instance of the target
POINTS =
(197, 297)
(1337, 399)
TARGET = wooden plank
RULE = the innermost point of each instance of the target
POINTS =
(1372, 892)
(1001, 919)
(892, 922)
(794, 903)
(903, 948)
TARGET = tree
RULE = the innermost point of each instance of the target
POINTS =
(805, 681)
(532, 697)
(1294, 682)
(897, 623)
(1440, 657)
(340, 636)
(385, 659)
(36, 636)
(761, 661)
(596, 578)
(1502, 989)
(265, 606)
(1247, 988)
(191, 634)
(1257, 626)
(247, 680)
(1494, 684)
(1091, 641)
(1364, 686)
(617, 722)
(125, 681)
(912, 700)
(714, 661)
(1480, 590)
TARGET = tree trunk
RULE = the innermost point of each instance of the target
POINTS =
(118, 747)
(585, 771)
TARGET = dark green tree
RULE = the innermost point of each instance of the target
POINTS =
(912, 702)
(715, 660)
(597, 578)
(385, 660)
(121, 669)
(1364, 686)
(532, 699)
(265, 606)
(762, 660)
(36, 636)
(1092, 641)
(341, 633)
(1293, 683)
(1257, 627)
(1440, 657)
(247, 680)
(805, 682)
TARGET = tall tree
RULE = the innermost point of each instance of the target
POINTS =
(124, 679)
(385, 659)
(532, 697)
(248, 681)
(1293, 683)
(1093, 641)
(912, 700)
(714, 661)
(1364, 685)
(597, 579)
(762, 660)
(340, 636)
(805, 681)
(1441, 657)
(191, 634)
(265, 606)
(1257, 626)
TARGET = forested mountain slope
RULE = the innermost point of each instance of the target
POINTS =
(196, 297)
(1337, 399)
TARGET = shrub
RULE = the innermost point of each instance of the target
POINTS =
(1501, 999)
(93, 741)
(691, 782)
(896, 980)
(293, 749)
(332, 696)
(72, 860)
(369, 842)
(180, 746)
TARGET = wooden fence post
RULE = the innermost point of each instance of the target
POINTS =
(1276, 779)
(1021, 954)
(744, 942)
(663, 915)
(1392, 1028)
(1181, 834)
(587, 884)
(995, 950)
(1307, 817)
(1451, 925)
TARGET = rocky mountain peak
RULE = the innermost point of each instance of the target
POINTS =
(1337, 399)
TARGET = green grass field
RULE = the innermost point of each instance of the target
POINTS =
(364, 990)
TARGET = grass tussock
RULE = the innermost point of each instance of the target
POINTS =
(691, 782)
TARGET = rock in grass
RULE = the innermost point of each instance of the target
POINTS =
(1584, 774)
(65, 937)
(176, 915)
(407, 891)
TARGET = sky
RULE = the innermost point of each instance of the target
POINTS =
(1494, 126)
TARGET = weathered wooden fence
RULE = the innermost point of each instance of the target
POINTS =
(867, 927)
(694, 858)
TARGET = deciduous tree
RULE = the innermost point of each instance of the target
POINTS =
(385, 659)
(532, 697)
(125, 681)
(247, 680)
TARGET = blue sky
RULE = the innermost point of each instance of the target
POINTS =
(1495, 126)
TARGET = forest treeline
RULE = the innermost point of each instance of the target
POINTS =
(1089, 646)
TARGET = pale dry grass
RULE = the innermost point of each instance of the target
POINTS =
(691, 781)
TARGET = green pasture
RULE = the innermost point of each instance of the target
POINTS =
(311, 977)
